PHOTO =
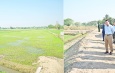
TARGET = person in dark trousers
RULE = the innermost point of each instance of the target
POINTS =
(98, 28)
(103, 31)
(114, 33)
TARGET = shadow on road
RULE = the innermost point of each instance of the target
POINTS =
(98, 36)
(93, 65)
(90, 57)
(89, 61)
(100, 48)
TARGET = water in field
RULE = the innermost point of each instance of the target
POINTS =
(7, 70)
(17, 43)
(29, 49)
(1, 46)
(25, 46)
(33, 50)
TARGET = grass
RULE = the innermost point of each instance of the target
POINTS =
(55, 31)
(69, 37)
(2, 72)
(25, 46)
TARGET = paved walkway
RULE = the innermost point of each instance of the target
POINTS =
(90, 58)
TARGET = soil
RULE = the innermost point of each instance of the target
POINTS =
(51, 64)
(89, 57)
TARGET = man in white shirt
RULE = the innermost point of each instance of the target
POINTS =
(108, 37)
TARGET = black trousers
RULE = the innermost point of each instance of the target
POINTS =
(114, 37)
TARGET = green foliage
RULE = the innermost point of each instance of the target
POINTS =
(3, 72)
(107, 17)
(77, 23)
(58, 26)
(92, 23)
(68, 22)
(51, 26)
(84, 23)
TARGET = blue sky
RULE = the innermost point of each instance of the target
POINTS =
(30, 12)
(88, 10)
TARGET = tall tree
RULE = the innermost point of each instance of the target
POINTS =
(77, 23)
(110, 19)
(58, 26)
(99, 22)
(84, 24)
(106, 16)
(68, 22)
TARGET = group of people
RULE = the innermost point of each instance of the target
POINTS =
(108, 33)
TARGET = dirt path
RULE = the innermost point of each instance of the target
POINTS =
(89, 57)
(51, 65)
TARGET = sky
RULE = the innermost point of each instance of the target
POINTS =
(88, 10)
(25, 13)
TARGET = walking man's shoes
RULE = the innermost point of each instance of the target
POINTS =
(106, 52)
(110, 53)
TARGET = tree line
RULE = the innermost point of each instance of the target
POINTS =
(50, 26)
(69, 22)
(56, 26)
(107, 17)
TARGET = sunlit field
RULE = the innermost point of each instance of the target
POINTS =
(23, 47)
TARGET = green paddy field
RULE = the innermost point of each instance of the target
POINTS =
(25, 46)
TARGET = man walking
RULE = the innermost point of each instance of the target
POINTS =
(108, 37)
